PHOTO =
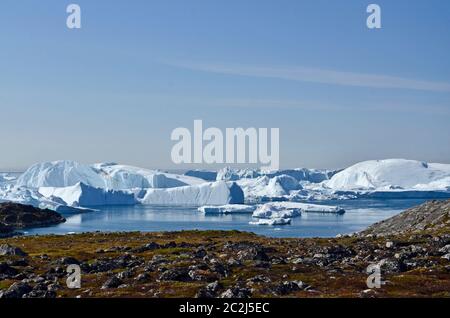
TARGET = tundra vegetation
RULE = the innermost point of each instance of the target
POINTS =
(413, 257)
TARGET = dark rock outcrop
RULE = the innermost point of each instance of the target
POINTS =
(18, 216)
(5, 230)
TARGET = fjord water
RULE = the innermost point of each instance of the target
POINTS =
(359, 214)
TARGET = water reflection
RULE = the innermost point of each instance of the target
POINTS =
(359, 214)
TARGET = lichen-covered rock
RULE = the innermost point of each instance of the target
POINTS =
(6, 249)
(432, 215)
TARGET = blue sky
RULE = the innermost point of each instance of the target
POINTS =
(115, 89)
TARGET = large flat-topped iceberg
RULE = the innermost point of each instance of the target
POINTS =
(84, 195)
(214, 193)
(392, 174)
(122, 177)
(105, 175)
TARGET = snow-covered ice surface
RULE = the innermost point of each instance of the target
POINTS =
(392, 174)
(227, 209)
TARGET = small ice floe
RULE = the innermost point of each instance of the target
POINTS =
(268, 211)
(305, 207)
(227, 209)
(272, 222)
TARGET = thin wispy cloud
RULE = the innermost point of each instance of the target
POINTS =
(315, 75)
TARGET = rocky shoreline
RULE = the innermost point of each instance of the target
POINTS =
(14, 217)
(230, 264)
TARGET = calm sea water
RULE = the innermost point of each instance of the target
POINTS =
(359, 214)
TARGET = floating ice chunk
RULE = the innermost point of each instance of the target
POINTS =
(306, 207)
(292, 209)
(213, 193)
(227, 209)
(277, 221)
(267, 211)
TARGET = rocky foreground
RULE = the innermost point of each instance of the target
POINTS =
(233, 264)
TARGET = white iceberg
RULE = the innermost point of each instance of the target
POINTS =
(103, 175)
(59, 174)
(270, 212)
(305, 175)
(392, 175)
(227, 209)
(271, 222)
(265, 188)
(307, 207)
(214, 193)
(84, 195)
(292, 209)
(299, 174)
(33, 197)
(123, 177)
